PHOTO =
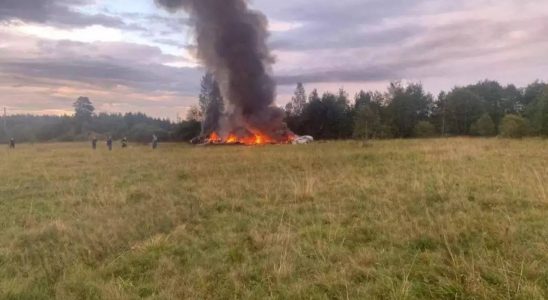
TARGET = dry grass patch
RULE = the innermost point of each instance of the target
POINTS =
(406, 219)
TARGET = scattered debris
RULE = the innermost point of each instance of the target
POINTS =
(301, 140)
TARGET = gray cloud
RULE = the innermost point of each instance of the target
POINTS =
(172, 42)
(335, 42)
(332, 39)
(371, 73)
(103, 64)
(340, 24)
(42, 75)
(46, 76)
(61, 13)
(334, 13)
(403, 42)
(106, 74)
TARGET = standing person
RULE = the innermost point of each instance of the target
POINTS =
(94, 143)
(154, 142)
(12, 143)
(124, 142)
(109, 143)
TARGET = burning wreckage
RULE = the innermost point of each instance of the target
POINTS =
(232, 44)
(246, 137)
(250, 139)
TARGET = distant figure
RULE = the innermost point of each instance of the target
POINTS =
(12, 143)
(94, 143)
(154, 142)
(124, 142)
(109, 143)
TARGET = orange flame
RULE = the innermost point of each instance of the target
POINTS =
(232, 139)
(214, 137)
(255, 138)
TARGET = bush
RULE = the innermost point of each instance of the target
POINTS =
(538, 114)
(425, 129)
(513, 126)
(484, 126)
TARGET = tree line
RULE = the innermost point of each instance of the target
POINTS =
(84, 124)
(486, 108)
(407, 111)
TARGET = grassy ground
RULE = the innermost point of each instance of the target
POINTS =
(431, 219)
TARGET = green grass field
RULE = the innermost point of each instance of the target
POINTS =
(408, 219)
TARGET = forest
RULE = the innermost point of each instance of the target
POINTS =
(486, 109)
(85, 123)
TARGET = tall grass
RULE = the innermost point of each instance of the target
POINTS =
(431, 219)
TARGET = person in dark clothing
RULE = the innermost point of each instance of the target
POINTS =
(154, 142)
(124, 142)
(109, 143)
(94, 143)
(12, 143)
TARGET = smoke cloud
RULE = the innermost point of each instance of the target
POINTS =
(231, 41)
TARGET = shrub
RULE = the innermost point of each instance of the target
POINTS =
(513, 126)
(484, 126)
(425, 129)
(538, 114)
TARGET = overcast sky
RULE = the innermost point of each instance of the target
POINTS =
(129, 55)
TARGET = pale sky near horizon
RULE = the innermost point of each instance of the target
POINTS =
(129, 55)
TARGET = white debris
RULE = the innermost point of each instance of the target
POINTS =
(301, 140)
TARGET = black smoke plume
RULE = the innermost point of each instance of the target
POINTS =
(231, 43)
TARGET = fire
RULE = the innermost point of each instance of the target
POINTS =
(214, 137)
(256, 138)
(232, 139)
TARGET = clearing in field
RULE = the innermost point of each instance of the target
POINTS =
(431, 219)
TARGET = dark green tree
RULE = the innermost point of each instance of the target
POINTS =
(83, 113)
(83, 108)
(346, 121)
(512, 100)
(407, 106)
(544, 113)
(298, 101)
(537, 113)
(314, 95)
(367, 116)
(313, 116)
(532, 92)
(326, 118)
(484, 126)
(463, 108)
(514, 126)
(211, 104)
(497, 100)
(439, 113)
